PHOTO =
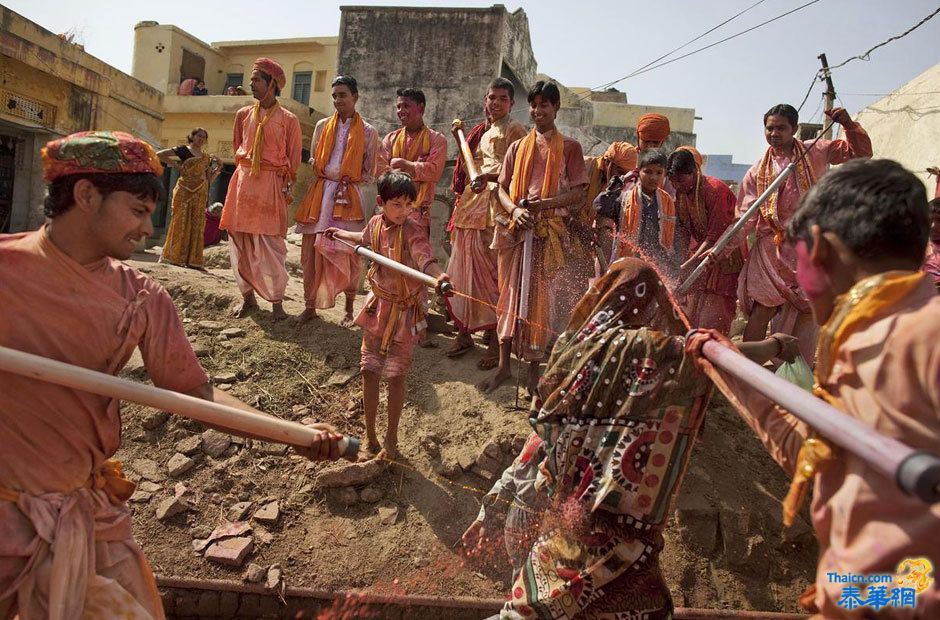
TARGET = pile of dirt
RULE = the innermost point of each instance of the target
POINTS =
(394, 530)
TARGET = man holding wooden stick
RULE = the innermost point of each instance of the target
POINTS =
(65, 528)
(473, 262)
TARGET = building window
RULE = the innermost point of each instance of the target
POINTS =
(234, 79)
(320, 86)
(301, 91)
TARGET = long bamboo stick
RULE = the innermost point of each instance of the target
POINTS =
(915, 472)
(216, 414)
(405, 270)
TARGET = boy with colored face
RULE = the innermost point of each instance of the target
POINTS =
(473, 262)
(859, 237)
(392, 316)
(932, 259)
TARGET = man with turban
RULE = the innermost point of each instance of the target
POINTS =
(652, 131)
(66, 546)
(267, 141)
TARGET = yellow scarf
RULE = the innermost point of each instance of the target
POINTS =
(420, 145)
(257, 147)
(595, 187)
(350, 169)
(549, 229)
(766, 173)
(868, 301)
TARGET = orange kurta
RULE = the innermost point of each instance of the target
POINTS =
(54, 439)
(887, 376)
(429, 166)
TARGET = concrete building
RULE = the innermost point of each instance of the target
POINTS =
(165, 55)
(723, 167)
(50, 87)
(905, 125)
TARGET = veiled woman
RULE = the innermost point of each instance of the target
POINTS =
(197, 170)
(619, 408)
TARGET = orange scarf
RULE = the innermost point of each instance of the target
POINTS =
(548, 229)
(766, 173)
(350, 170)
(420, 145)
(595, 186)
(257, 146)
(868, 301)
(632, 208)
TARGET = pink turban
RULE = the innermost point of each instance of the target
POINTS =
(652, 127)
(272, 68)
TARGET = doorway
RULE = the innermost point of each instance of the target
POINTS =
(7, 170)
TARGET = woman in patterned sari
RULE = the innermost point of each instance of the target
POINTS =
(184, 236)
(619, 409)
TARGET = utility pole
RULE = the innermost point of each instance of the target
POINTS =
(830, 93)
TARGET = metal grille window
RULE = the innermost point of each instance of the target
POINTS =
(27, 108)
(301, 90)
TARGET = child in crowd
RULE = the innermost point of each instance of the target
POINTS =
(859, 238)
(649, 217)
(392, 316)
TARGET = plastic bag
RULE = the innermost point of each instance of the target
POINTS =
(798, 373)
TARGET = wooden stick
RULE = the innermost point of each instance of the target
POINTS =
(215, 414)
(472, 171)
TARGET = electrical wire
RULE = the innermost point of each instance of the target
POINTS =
(808, 91)
(866, 55)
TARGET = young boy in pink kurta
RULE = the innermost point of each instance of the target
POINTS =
(392, 316)
(255, 212)
(859, 239)
(473, 261)
(767, 286)
(66, 547)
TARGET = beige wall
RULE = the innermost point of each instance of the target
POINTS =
(158, 56)
(905, 126)
(314, 55)
(627, 114)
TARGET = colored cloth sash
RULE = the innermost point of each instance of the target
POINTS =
(667, 217)
(549, 229)
(402, 300)
(595, 187)
(421, 144)
(257, 147)
(108, 478)
(350, 171)
(868, 301)
(766, 173)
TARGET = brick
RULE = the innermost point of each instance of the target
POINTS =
(250, 606)
(208, 604)
(231, 551)
(269, 513)
(228, 604)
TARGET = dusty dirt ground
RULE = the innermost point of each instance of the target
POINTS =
(725, 546)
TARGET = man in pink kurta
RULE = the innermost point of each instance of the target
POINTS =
(472, 264)
(417, 150)
(767, 284)
(545, 169)
(330, 267)
(255, 212)
(66, 547)
(879, 363)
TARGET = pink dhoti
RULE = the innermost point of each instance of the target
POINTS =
(330, 268)
(393, 364)
(769, 279)
(258, 262)
(710, 310)
(535, 331)
(472, 271)
(72, 555)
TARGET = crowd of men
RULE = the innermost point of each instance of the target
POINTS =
(537, 228)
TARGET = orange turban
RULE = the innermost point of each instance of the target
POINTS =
(622, 155)
(699, 160)
(272, 68)
(653, 127)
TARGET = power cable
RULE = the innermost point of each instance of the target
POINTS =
(866, 55)
(808, 91)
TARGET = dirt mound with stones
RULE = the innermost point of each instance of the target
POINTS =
(216, 507)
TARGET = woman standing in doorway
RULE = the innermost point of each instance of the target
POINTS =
(184, 237)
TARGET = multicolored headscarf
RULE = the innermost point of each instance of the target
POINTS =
(97, 152)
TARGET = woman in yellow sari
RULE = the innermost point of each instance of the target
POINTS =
(184, 241)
